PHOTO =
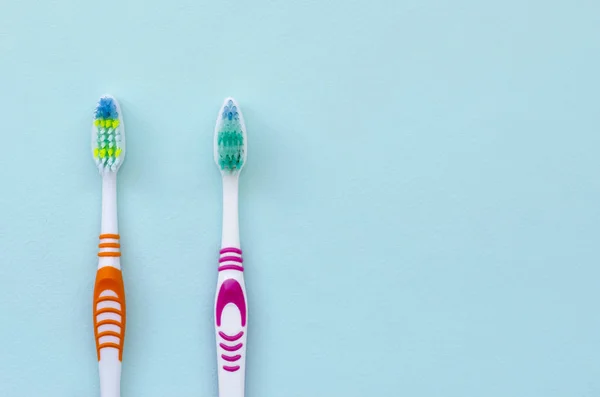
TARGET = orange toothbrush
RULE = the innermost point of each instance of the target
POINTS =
(108, 147)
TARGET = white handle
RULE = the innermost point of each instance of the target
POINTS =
(231, 319)
(109, 294)
(110, 373)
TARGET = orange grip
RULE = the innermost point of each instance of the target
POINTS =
(109, 235)
(109, 279)
(115, 254)
(109, 245)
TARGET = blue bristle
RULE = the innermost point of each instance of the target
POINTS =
(106, 109)
(230, 111)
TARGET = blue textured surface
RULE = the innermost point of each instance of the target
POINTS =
(420, 206)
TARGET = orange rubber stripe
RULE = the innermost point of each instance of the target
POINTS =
(109, 245)
(116, 254)
(109, 278)
(107, 310)
(116, 346)
(107, 298)
(113, 236)
(109, 333)
(108, 322)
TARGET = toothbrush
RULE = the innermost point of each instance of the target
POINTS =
(231, 314)
(108, 148)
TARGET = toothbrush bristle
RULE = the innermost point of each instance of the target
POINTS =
(108, 145)
(230, 138)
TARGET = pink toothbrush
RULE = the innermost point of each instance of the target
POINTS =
(230, 302)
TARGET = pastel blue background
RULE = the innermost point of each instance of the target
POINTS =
(419, 212)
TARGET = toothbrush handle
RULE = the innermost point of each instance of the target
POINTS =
(109, 316)
(231, 316)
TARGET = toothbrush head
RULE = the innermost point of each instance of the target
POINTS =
(230, 138)
(108, 135)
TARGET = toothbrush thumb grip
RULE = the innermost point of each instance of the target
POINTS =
(109, 310)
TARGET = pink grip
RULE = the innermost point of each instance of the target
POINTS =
(231, 292)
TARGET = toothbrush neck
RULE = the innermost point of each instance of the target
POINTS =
(109, 203)
(231, 233)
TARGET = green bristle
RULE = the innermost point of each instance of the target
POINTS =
(107, 148)
(230, 144)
